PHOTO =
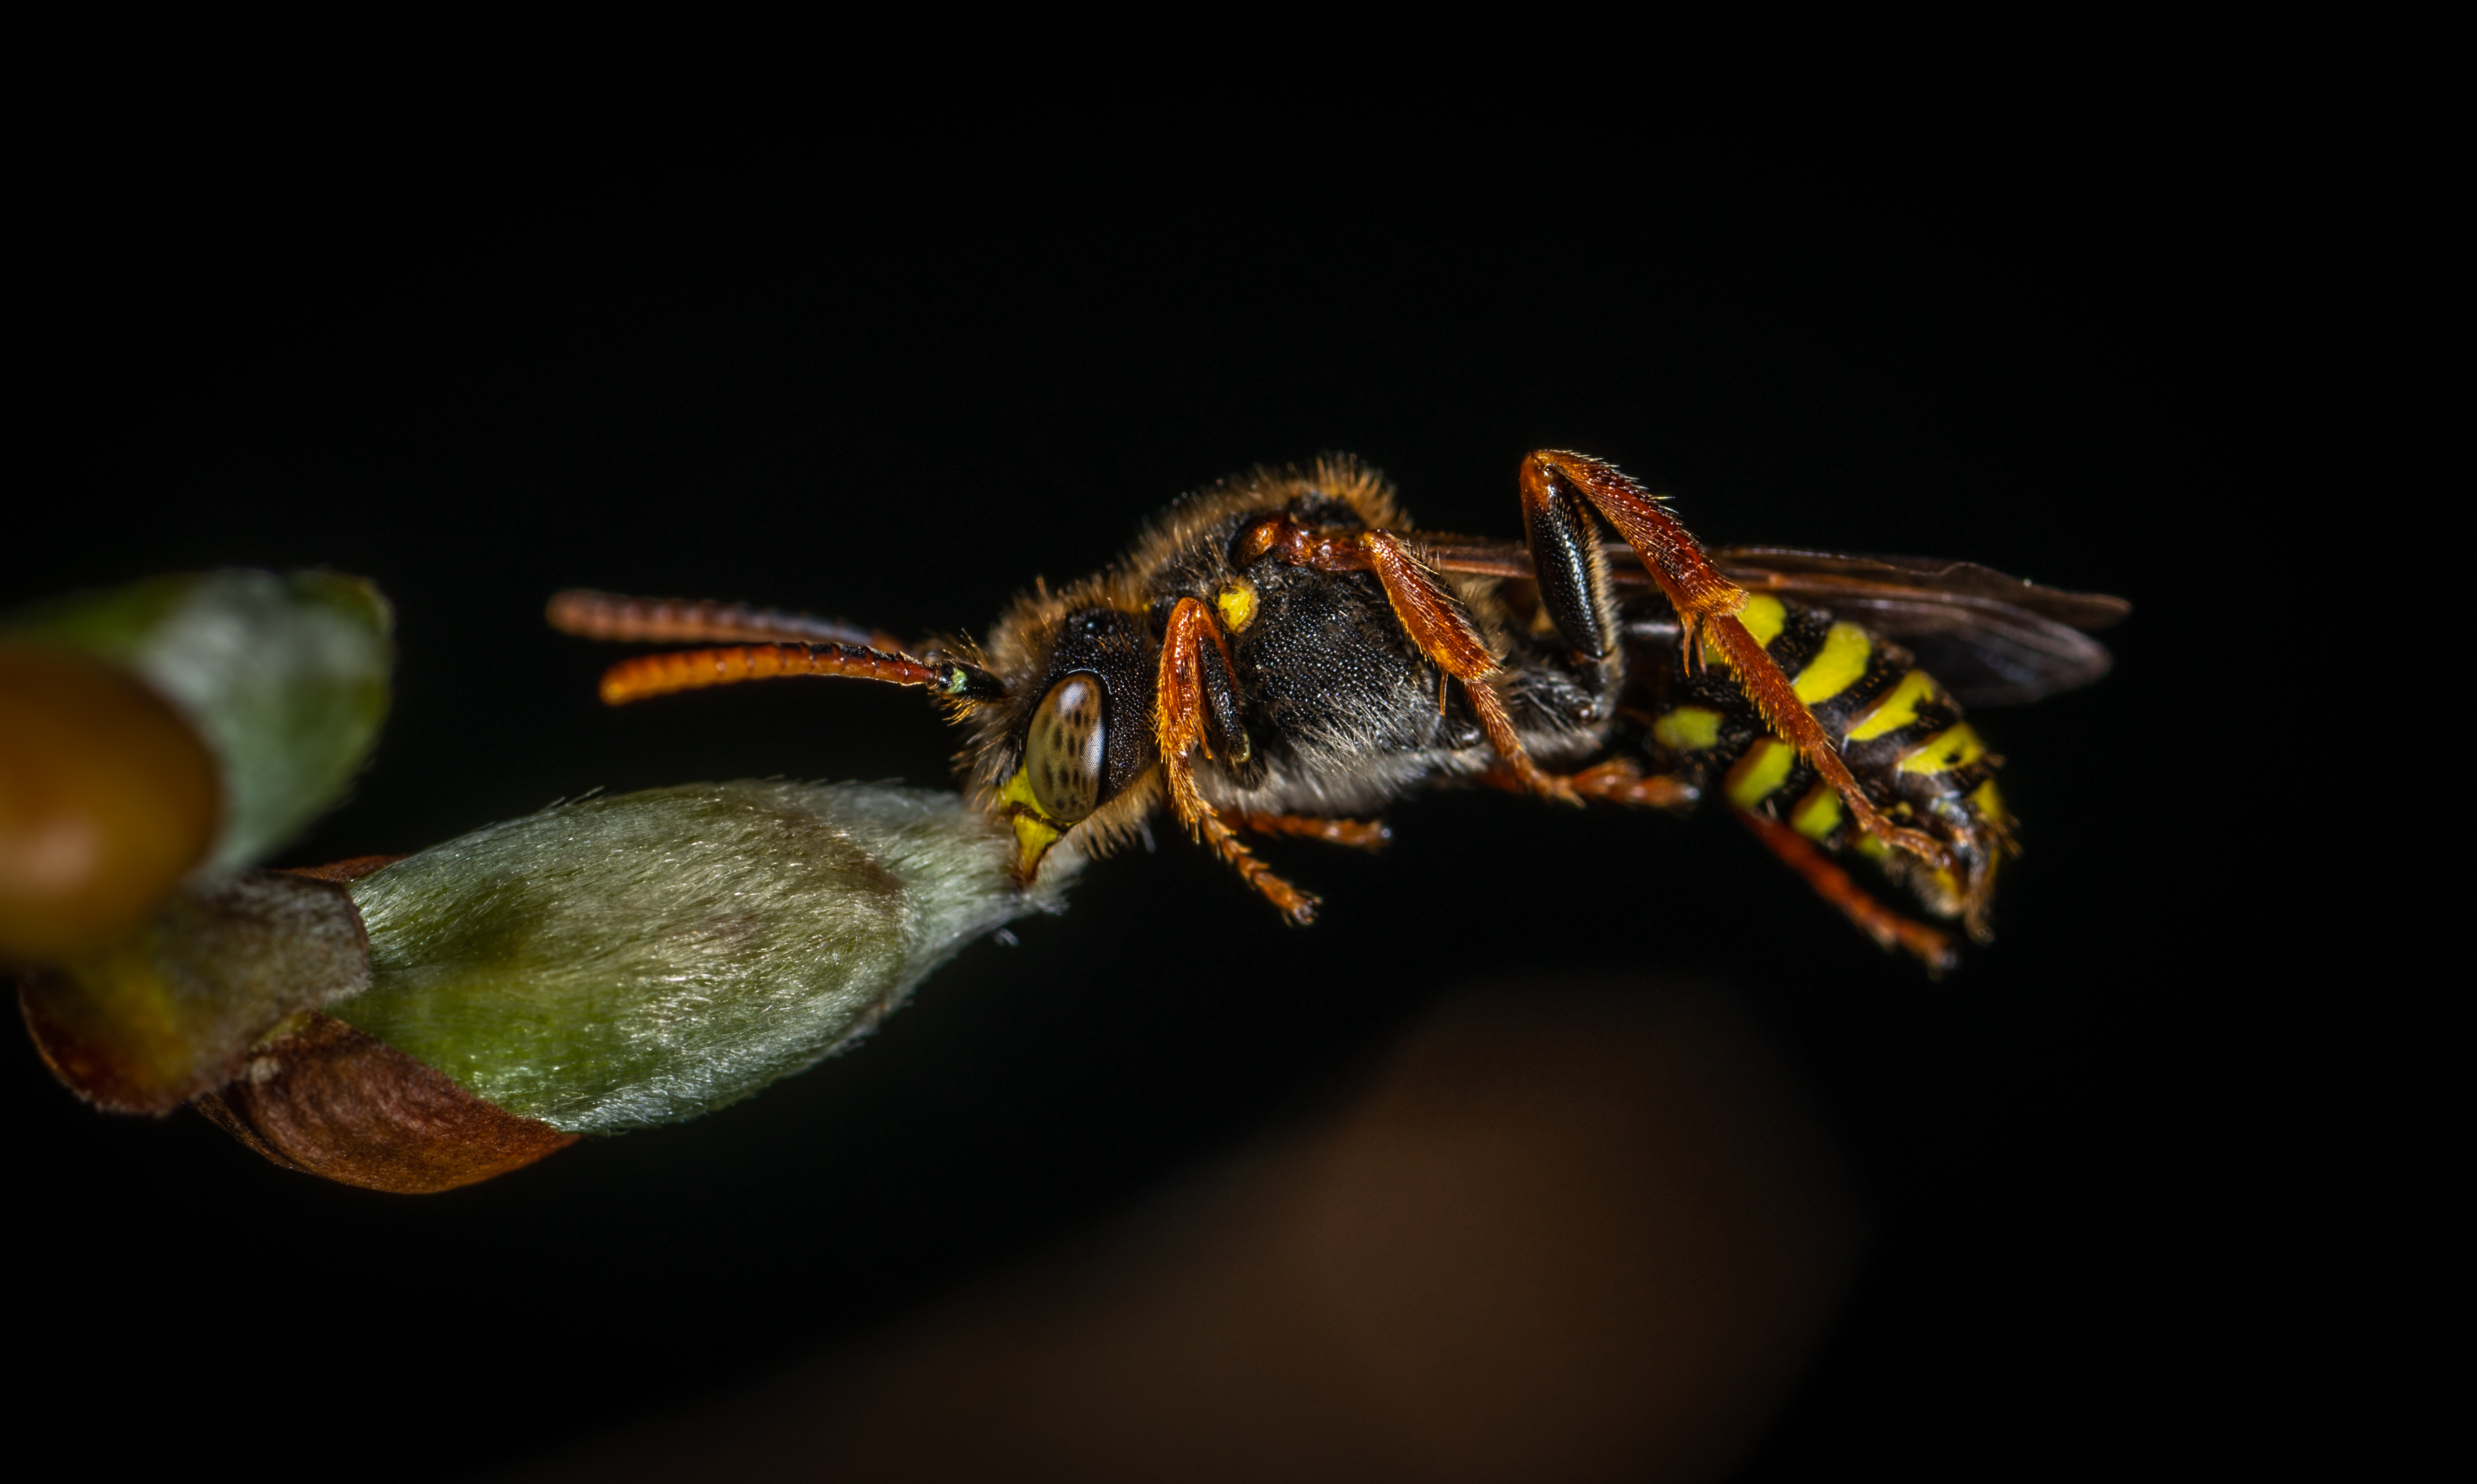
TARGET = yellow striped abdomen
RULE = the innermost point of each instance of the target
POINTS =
(1901, 733)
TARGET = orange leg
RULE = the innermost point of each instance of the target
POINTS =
(1363, 835)
(1178, 728)
(1885, 927)
(1707, 604)
(1616, 780)
(1429, 613)
(1434, 618)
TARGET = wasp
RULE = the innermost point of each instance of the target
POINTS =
(1285, 654)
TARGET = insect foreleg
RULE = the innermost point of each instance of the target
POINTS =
(1179, 728)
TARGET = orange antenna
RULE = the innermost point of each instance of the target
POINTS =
(610, 616)
(660, 675)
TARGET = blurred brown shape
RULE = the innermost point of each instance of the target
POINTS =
(1565, 1233)
(147, 1022)
(349, 870)
(107, 799)
(328, 1099)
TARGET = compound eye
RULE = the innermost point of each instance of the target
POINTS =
(1063, 756)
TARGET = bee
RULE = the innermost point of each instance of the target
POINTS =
(1285, 654)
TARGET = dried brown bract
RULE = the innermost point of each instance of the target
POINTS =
(330, 1101)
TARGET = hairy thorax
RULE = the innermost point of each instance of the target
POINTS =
(1344, 711)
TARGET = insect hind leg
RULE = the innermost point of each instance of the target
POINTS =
(1707, 605)
(1930, 945)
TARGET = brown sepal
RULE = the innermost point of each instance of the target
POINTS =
(144, 1025)
(334, 1101)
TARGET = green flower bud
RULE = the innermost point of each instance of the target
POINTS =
(622, 962)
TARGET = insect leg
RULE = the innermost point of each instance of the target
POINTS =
(1568, 564)
(1364, 835)
(1436, 622)
(1179, 719)
(1707, 605)
(1429, 613)
(1885, 927)
(1617, 781)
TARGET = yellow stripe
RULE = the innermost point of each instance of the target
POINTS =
(1872, 848)
(1818, 813)
(1834, 667)
(1989, 802)
(1763, 616)
(1897, 710)
(1952, 748)
(1760, 773)
(1689, 729)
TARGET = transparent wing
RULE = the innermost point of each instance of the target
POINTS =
(1990, 639)
(1790, 570)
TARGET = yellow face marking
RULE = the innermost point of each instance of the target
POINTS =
(1237, 605)
(1897, 710)
(1763, 616)
(1034, 833)
(1689, 729)
(1760, 773)
(1989, 802)
(1834, 667)
(1818, 813)
(1952, 748)
(1872, 848)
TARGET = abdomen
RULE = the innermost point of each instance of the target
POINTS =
(1904, 738)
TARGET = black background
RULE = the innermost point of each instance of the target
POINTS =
(898, 403)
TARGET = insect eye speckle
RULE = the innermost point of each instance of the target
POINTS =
(1064, 752)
